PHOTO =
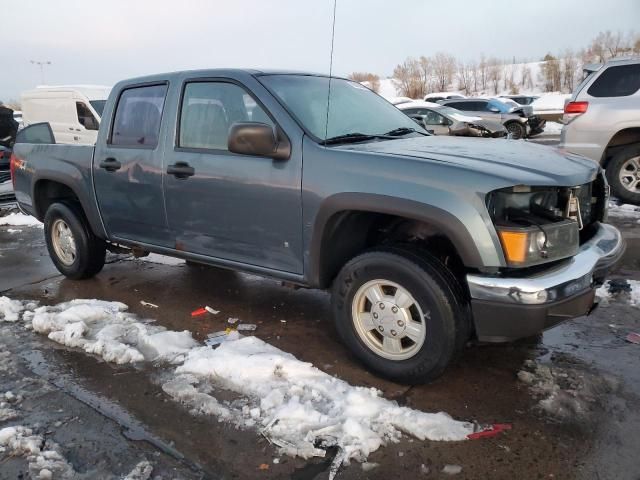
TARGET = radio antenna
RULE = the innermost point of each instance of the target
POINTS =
(333, 36)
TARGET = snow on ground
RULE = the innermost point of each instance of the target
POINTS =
(627, 290)
(106, 329)
(161, 259)
(44, 457)
(20, 220)
(10, 309)
(566, 393)
(299, 408)
(552, 128)
(624, 210)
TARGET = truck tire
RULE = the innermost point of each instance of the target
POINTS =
(401, 313)
(623, 174)
(75, 251)
(517, 130)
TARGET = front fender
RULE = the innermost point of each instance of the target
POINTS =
(451, 226)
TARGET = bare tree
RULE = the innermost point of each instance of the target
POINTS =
(444, 68)
(483, 70)
(494, 74)
(425, 70)
(371, 80)
(551, 73)
(466, 72)
(569, 70)
(408, 78)
(525, 77)
(475, 76)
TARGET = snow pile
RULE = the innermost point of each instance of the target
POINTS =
(300, 408)
(107, 330)
(142, 471)
(552, 128)
(49, 463)
(566, 393)
(10, 309)
(7, 401)
(624, 210)
(20, 220)
(620, 289)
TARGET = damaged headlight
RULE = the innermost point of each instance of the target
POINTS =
(532, 225)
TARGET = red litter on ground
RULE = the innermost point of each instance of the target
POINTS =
(490, 431)
(633, 337)
(198, 312)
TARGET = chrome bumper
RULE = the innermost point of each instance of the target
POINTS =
(581, 272)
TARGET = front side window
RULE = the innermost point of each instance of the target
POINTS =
(619, 81)
(352, 108)
(209, 109)
(433, 118)
(85, 117)
(138, 115)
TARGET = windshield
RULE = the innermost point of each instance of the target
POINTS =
(353, 108)
(98, 105)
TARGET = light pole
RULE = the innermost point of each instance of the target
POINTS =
(41, 64)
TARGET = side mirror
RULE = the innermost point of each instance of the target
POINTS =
(419, 119)
(494, 110)
(258, 139)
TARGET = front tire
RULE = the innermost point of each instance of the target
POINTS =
(401, 313)
(517, 130)
(75, 251)
(623, 174)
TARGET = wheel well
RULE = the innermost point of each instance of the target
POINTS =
(47, 192)
(349, 233)
(622, 139)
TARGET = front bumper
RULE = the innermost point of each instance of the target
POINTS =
(508, 308)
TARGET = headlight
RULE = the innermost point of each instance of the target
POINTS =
(532, 245)
(532, 226)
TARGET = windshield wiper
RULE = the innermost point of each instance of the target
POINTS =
(353, 137)
(396, 132)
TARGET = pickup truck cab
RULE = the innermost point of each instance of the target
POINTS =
(423, 241)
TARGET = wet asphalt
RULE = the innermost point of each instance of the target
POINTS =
(106, 418)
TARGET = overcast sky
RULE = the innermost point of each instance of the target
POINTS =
(91, 42)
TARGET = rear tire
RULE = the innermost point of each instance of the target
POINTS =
(517, 130)
(623, 174)
(430, 332)
(75, 251)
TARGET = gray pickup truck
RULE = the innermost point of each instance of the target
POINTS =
(424, 241)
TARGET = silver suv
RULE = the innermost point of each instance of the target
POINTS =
(602, 122)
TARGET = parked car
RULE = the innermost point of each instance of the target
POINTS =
(522, 99)
(6, 188)
(399, 100)
(422, 240)
(73, 111)
(437, 96)
(441, 120)
(602, 122)
(518, 120)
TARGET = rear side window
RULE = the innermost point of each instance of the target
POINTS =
(36, 133)
(85, 117)
(209, 109)
(138, 115)
(619, 81)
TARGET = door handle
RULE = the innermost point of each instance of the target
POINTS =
(110, 164)
(181, 170)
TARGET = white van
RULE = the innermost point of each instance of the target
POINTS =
(73, 111)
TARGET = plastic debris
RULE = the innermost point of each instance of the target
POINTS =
(490, 431)
(216, 338)
(452, 469)
(276, 461)
(283, 321)
(232, 320)
(198, 312)
(264, 466)
(633, 337)
(247, 327)
(148, 304)
(424, 470)
(211, 310)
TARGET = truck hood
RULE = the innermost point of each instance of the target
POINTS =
(516, 161)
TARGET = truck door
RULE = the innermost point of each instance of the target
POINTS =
(128, 168)
(219, 204)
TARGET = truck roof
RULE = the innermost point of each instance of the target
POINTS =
(222, 72)
(92, 92)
